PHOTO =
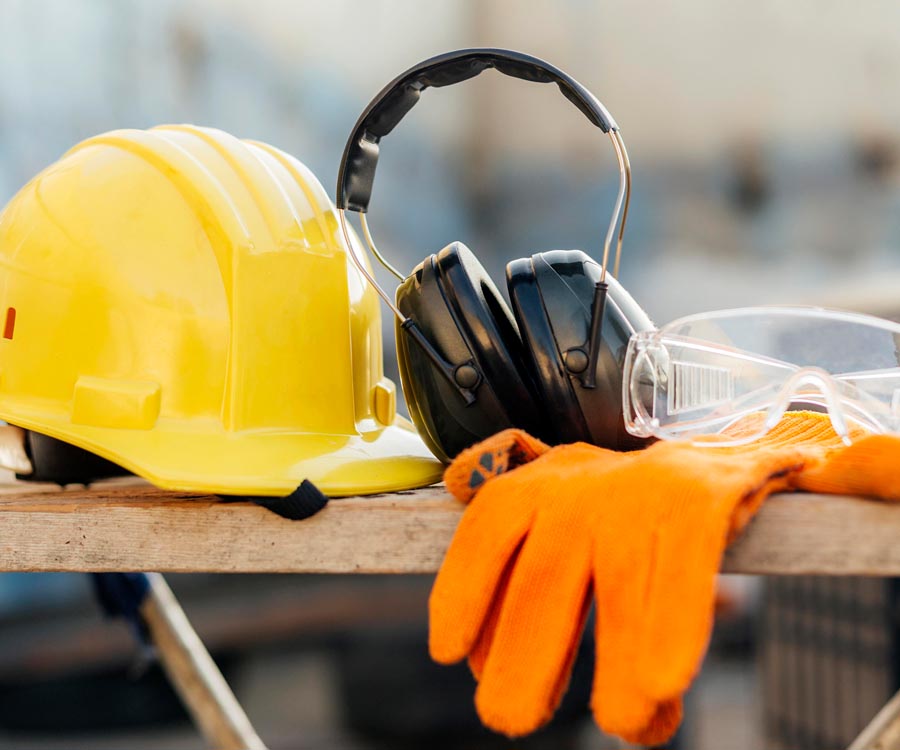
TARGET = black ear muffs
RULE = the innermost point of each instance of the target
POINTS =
(469, 367)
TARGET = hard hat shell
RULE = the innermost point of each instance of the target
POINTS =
(181, 302)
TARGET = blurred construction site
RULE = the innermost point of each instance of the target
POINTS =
(765, 145)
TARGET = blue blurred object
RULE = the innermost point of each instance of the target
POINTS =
(121, 595)
(21, 592)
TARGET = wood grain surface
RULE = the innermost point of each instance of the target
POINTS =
(122, 527)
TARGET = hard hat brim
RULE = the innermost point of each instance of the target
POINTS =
(271, 463)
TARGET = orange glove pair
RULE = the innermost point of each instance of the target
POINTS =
(645, 531)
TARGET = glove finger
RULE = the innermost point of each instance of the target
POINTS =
(539, 627)
(482, 647)
(679, 607)
(565, 673)
(622, 566)
(490, 532)
(680, 593)
(598, 460)
(662, 725)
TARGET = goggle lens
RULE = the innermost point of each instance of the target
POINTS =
(699, 376)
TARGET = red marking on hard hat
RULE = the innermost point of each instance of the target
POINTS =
(10, 325)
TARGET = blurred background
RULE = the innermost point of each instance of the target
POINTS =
(765, 144)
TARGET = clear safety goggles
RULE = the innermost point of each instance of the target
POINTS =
(698, 376)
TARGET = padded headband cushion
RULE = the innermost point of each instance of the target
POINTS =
(490, 330)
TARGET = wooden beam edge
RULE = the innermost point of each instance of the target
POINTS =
(142, 528)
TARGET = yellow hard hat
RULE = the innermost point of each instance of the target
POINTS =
(181, 302)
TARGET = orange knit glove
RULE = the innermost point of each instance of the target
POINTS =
(871, 466)
(647, 529)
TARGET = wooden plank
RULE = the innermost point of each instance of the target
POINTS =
(121, 527)
(806, 534)
(143, 528)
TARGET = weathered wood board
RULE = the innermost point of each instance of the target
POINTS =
(116, 527)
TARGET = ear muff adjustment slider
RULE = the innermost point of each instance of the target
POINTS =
(463, 378)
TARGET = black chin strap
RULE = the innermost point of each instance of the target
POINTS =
(305, 501)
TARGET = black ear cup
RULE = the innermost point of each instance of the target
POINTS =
(551, 295)
(459, 310)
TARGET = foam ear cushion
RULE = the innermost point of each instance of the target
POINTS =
(551, 295)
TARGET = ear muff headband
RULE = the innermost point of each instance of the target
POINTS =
(388, 108)
(360, 159)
